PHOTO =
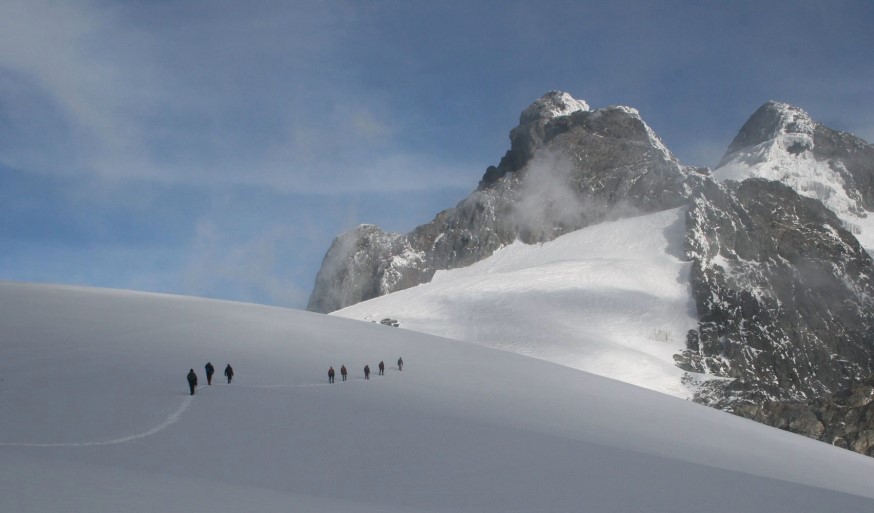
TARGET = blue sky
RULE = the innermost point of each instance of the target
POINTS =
(216, 148)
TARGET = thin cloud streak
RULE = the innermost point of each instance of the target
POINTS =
(133, 111)
(278, 96)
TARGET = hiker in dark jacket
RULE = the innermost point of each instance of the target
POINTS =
(210, 370)
(343, 372)
(330, 375)
(192, 381)
(400, 364)
(381, 368)
(229, 372)
(367, 372)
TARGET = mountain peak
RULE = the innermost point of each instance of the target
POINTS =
(770, 121)
(552, 105)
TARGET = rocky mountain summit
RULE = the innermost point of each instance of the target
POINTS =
(782, 282)
(844, 418)
(782, 277)
(778, 237)
(567, 167)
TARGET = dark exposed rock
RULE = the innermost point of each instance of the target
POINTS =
(844, 419)
(850, 157)
(784, 294)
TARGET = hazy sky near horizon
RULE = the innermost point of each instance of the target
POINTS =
(215, 148)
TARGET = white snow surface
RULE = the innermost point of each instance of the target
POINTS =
(554, 104)
(612, 299)
(97, 418)
(809, 177)
(564, 105)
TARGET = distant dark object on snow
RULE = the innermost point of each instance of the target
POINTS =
(390, 322)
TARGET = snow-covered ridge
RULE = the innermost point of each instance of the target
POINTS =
(793, 120)
(552, 105)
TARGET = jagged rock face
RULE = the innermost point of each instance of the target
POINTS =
(782, 281)
(852, 158)
(784, 294)
(567, 167)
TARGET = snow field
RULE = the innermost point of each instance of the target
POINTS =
(463, 428)
(611, 299)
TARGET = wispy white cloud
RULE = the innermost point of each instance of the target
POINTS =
(60, 53)
(255, 96)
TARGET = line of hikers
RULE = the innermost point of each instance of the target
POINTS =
(229, 373)
(210, 370)
(344, 372)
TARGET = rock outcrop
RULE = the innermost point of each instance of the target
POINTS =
(784, 294)
(844, 418)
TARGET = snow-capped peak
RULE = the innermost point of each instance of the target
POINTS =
(552, 105)
(789, 126)
(778, 143)
(792, 119)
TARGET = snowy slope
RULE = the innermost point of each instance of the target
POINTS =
(612, 299)
(97, 418)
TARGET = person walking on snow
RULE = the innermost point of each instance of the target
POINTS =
(343, 372)
(381, 368)
(330, 375)
(400, 364)
(210, 370)
(229, 372)
(192, 380)
(367, 372)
